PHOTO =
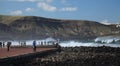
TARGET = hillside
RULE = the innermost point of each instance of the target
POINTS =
(32, 27)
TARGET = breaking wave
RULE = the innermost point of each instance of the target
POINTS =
(112, 41)
(108, 40)
(88, 44)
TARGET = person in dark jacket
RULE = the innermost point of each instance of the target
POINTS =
(34, 45)
(59, 47)
(8, 46)
(0, 44)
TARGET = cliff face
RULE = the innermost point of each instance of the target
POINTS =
(31, 27)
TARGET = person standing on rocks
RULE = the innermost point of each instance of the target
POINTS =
(8, 46)
(34, 45)
(59, 47)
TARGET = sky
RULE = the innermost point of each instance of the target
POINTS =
(104, 11)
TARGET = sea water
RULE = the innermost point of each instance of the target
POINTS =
(112, 41)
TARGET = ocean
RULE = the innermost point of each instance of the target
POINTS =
(112, 41)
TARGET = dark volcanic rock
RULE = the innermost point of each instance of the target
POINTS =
(82, 56)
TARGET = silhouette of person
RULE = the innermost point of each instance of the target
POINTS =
(41, 43)
(59, 47)
(3, 44)
(0, 44)
(8, 46)
(24, 43)
(34, 45)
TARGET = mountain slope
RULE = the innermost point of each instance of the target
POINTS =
(32, 27)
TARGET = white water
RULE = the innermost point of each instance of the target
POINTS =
(112, 41)
(104, 41)
(108, 39)
(92, 44)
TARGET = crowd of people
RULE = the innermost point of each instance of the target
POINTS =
(8, 45)
(34, 44)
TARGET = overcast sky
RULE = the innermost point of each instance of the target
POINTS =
(104, 11)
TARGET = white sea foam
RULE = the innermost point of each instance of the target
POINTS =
(92, 44)
(108, 39)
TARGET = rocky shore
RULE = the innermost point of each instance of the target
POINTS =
(81, 56)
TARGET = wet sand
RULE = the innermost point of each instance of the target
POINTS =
(81, 56)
